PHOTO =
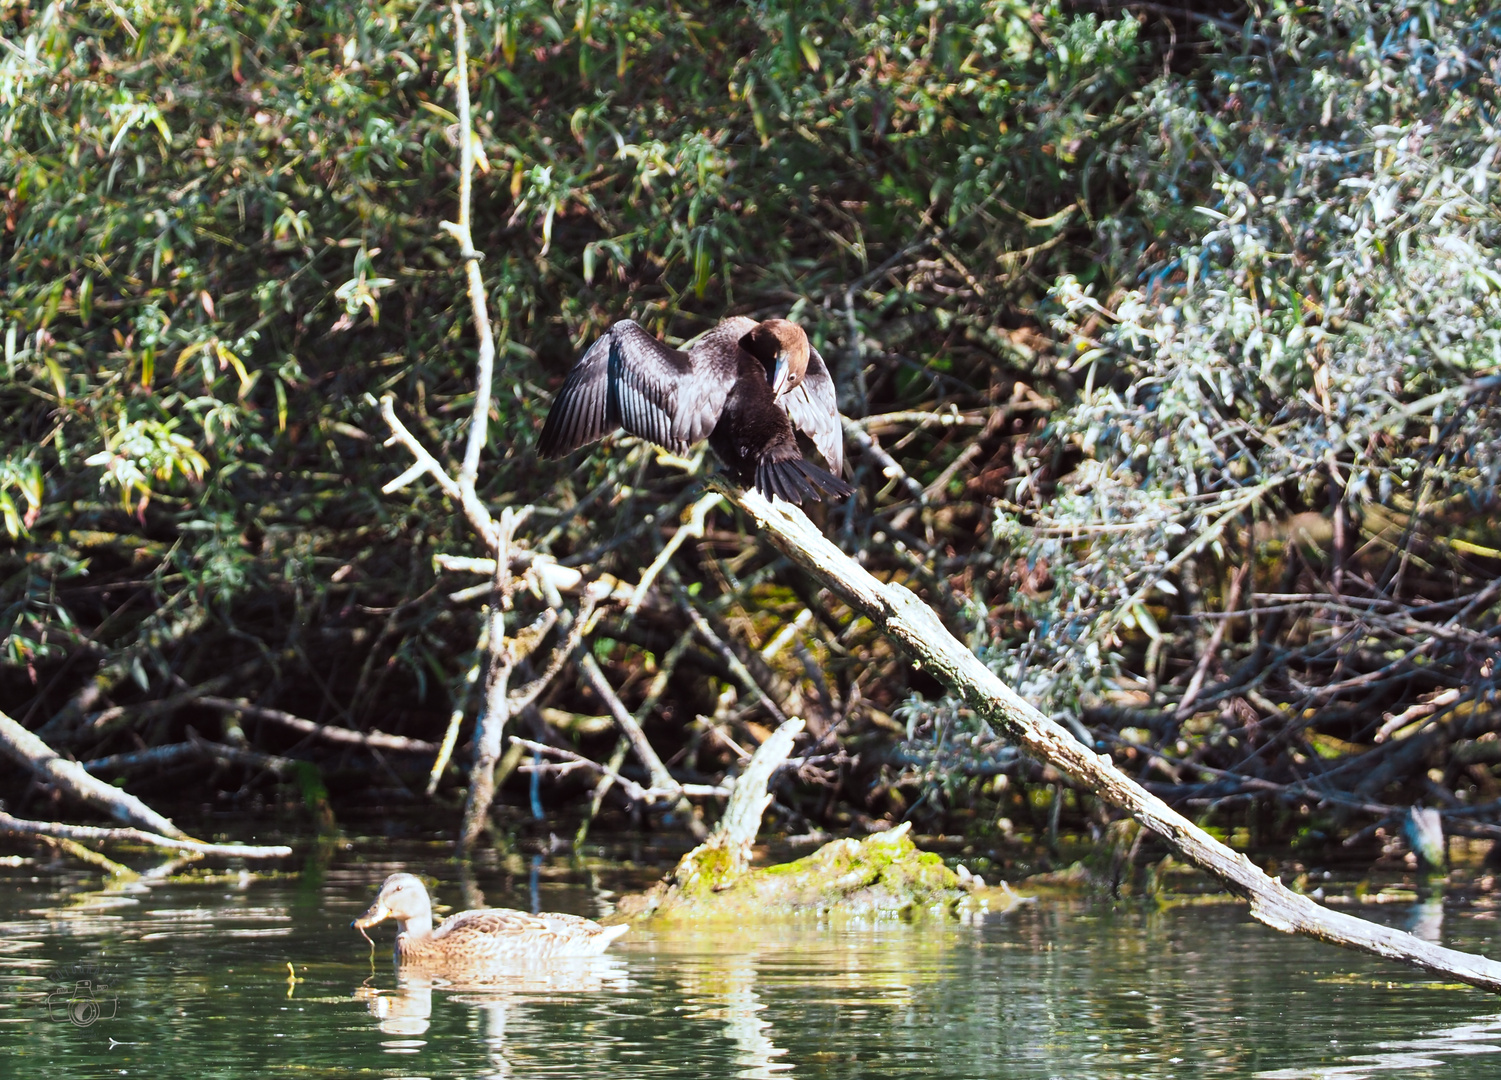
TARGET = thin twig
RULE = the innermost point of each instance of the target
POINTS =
(1196, 683)
(631, 788)
(660, 777)
(692, 525)
(736, 665)
(326, 732)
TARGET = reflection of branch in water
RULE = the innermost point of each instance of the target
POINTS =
(754, 1050)
(729, 991)
(493, 1032)
(1427, 919)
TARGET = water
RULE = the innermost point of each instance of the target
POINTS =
(191, 980)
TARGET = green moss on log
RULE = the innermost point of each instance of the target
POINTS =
(884, 875)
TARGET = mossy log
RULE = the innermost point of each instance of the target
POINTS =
(881, 876)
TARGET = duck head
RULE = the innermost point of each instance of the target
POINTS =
(782, 348)
(402, 897)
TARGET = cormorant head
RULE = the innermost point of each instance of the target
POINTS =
(782, 347)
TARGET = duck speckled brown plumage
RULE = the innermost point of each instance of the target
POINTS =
(479, 938)
(743, 386)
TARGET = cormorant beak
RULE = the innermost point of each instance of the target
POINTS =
(780, 374)
(377, 913)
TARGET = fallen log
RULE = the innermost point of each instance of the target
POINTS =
(901, 616)
(69, 776)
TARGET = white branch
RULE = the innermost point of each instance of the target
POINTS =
(15, 826)
(907, 620)
(69, 776)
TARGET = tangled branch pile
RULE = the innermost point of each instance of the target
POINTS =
(1168, 343)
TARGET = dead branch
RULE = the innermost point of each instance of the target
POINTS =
(692, 525)
(630, 787)
(735, 664)
(456, 715)
(69, 776)
(15, 826)
(921, 419)
(660, 777)
(914, 625)
(326, 732)
(737, 830)
(495, 710)
(1196, 681)
(162, 627)
(87, 855)
(889, 466)
(155, 757)
(239, 755)
(654, 694)
(575, 626)
(195, 749)
(97, 725)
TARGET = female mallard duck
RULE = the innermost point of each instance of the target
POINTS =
(747, 387)
(476, 937)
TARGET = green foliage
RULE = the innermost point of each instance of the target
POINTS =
(221, 232)
(1323, 328)
(1254, 268)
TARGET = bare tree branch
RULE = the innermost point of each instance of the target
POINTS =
(660, 777)
(69, 776)
(907, 620)
(495, 710)
(326, 732)
(15, 826)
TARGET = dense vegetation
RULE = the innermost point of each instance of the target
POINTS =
(1144, 315)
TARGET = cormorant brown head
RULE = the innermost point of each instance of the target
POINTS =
(782, 348)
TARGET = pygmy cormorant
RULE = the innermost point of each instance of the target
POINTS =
(743, 385)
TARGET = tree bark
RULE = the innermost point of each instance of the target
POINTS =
(736, 831)
(495, 710)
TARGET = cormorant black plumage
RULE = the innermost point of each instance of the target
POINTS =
(743, 386)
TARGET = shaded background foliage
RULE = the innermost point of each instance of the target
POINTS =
(1184, 276)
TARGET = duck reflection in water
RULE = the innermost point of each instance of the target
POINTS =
(407, 1011)
(491, 958)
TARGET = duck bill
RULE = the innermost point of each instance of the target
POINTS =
(779, 376)
(377, 913)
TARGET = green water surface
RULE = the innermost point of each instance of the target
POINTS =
(191, 980)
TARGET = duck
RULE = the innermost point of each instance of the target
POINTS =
(480, 937)
(746, 386)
